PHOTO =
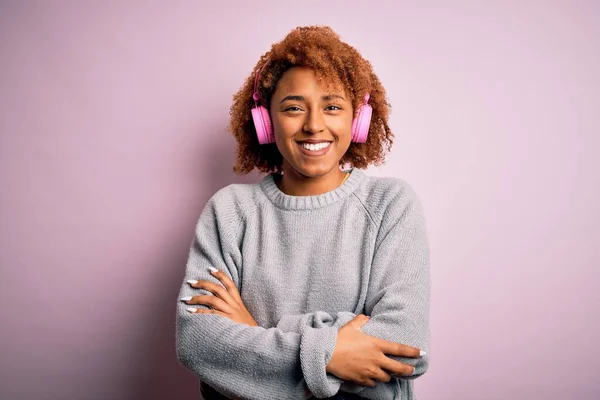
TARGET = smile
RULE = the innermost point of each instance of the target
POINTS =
(314, 149)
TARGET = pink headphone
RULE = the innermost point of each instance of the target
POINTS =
(264, 128)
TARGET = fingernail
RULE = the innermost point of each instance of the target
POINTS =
(213, 269)
(414, 371)
(422, 353)
(192, 282)
(186, 298)
(191, 309)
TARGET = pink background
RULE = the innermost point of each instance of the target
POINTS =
(112, 121)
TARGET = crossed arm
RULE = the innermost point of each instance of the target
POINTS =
(361, 360)
(306, 349)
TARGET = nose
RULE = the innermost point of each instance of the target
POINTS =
(314, 122)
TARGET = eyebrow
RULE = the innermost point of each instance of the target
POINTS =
(301, 98)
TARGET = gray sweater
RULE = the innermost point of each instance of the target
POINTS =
(306, 265)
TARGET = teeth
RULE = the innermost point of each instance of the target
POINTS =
(315, 147)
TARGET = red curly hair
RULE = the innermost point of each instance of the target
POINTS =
(334, 62)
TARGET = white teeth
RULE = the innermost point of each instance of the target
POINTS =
(315, 147)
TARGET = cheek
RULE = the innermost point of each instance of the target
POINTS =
(342, 129)
(284, 131)
(284, 127)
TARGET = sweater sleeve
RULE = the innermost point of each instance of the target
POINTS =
(238, 360)
(399, 285)
(398, 291)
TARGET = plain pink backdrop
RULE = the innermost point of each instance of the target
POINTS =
(113, 136)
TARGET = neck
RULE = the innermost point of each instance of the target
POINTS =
(294, 183)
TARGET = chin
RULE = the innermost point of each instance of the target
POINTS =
(315, 170)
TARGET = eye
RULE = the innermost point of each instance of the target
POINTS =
(333, 108)
(293, 109)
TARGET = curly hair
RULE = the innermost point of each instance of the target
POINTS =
(334, 62)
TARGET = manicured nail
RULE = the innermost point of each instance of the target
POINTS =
(213, 269)
(191, 309)
(192, 282)
(422, 353)
(186, 298)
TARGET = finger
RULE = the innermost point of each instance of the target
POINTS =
(368, 382)
(205, 311)
(396, 367)
(228, 283)
(211, 301)
(233, 297)
(217, 290)
(382, 376)
(358, 321)
(397, 349)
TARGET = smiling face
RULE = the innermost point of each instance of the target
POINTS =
(312, 124)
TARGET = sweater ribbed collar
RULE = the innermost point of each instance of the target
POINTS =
(288, 202)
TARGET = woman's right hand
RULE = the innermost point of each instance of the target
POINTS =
(362, 359)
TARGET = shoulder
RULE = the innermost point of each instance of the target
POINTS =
(235, 199)
(391, 203)
(230, 206)
(237, 195)
(385, 195)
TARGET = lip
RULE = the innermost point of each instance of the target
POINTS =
(314, 141)
(311, 153)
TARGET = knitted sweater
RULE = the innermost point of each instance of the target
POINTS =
(305, 266)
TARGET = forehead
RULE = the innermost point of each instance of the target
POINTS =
(304, 80)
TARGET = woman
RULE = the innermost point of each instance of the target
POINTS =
(313, 282)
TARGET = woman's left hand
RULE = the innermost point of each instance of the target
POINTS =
(226, 300)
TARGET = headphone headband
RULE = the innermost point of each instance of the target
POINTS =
(256, 95)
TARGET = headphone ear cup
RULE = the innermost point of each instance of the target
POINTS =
(361, 123)
(262, 124)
